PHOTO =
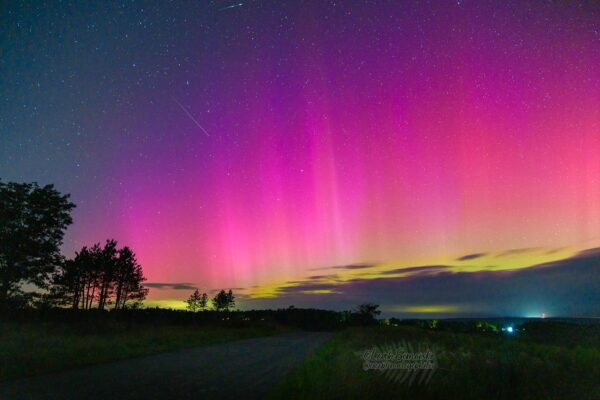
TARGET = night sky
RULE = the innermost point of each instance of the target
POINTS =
(434, 157)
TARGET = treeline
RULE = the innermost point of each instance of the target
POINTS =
(223, 301)
(96, 320)
(33, 220)
(100, 277)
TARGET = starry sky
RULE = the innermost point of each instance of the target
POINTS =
(434, 157)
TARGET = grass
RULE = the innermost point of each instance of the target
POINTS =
(471, 366)
(40, 347)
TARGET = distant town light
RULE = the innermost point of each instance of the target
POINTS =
(510, 329)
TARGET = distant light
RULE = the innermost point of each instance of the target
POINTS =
(510, 329)
(543, 315)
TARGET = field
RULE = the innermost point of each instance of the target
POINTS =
(546, 362)
(471, 359)
(40, 346)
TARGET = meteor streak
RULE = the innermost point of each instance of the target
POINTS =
(191, 116)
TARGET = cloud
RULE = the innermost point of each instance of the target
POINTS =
(417, 270)
(347, 267)
(513, 252)
(306, 287)
(171, 286)
(355, 266)
(567, 287)
(593, 252)
(471, 256)
(320, 277)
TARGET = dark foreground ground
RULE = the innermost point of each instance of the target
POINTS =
(157, 354)
(245, 369)
(33, 347)
(540, 361)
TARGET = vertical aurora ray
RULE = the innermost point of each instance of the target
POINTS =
(467, 131)
(356, 132)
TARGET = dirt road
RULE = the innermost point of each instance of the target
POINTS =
(245, 369)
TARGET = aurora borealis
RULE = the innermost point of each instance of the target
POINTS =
(304, 152)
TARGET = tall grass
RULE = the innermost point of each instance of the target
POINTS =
(33, 348)
(470, 367)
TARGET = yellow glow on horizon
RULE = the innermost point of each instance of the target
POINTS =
(319, 291)
(487, 261)
(171, 304)
(493, 261)
(427, 309)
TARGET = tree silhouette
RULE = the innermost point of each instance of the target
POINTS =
(88, 261)
(102, 275)
(193, 302)
(230, 299)
(203, 302)
(129, 280)
(68, 285)
(223, 301)
(32, 224)
(366, 313)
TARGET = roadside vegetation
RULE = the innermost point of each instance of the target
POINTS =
(39, 341)
(471, 365)
(35, 344)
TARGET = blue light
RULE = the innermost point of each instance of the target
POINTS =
(510, 329)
